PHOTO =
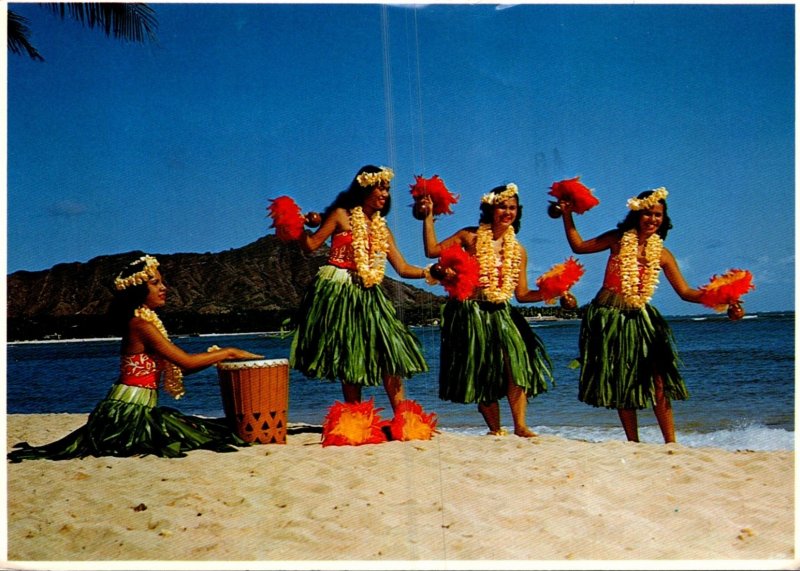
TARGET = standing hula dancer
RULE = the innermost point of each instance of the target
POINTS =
(628, 356)
(127, 422)
(348, 328)
(488, 350)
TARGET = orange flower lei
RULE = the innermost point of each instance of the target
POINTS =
(173, 376)
(635, 291)
(493, 290)
(370, 243)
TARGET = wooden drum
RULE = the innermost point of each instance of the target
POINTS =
(255, 397)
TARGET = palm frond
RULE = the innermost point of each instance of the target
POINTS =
(18, 37)
(127, 21)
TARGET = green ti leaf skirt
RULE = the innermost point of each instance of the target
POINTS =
(480, 343)
(128, 423)
(351, 333)
(622, 351)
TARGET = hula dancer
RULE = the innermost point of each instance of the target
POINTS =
(127, 422)
(488, 350)
(348, 328)
(628, 356)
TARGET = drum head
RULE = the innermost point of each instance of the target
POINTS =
(252, 364)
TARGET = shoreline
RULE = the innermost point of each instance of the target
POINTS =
(179, 336)
(537, 320)
(455, 498)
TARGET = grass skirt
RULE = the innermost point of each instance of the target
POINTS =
(128, 423)
(352, 333)
(622, 350)
(479, 339)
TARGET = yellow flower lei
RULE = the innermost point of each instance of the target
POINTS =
(637, 293)
(370, 243)
(511, 264)
(173, 376)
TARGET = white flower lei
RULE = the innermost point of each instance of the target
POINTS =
(637, 293)
(370, 243)
(659, 193)
(173, 376)
(140, 277)
(510, 192)
(385, 175)
(511, 263)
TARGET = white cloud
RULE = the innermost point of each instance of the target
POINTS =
(68, 209)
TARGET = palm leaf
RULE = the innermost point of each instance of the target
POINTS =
(134, 22)
(126, 21)
(18, 37)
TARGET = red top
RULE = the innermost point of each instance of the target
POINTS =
(139, 370)
(341, 253)
(613, 278)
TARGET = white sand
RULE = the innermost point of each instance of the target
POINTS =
(454, 498)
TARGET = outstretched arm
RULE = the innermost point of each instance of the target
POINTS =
(676, 279)
(403, 268)
(145, 333)
(522, 293)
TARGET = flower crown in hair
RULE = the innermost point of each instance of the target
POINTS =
(659, 193)
(374, 178)
(493, 198)
(140, 277)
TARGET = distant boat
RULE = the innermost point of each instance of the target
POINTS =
(699, 318)
(749, 316)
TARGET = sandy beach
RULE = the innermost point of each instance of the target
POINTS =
(454, 498)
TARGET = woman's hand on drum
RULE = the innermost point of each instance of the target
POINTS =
(234, 353)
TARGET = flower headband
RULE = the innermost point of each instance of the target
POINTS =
(659, 193)
(493, 198)
(140, 277)
(374, 178)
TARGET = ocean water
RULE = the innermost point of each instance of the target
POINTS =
(740, 376)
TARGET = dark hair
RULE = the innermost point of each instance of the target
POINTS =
(487, 210)
(632, 219)
(126, 300)
(355, 195)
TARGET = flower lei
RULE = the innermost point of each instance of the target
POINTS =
(173, 376)
(659, 193)
(370, 243)
(385, 175)
(490, 281)
(493, 198)
(638, 291)
(140, 277)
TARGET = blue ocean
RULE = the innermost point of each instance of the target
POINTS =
(740, 376)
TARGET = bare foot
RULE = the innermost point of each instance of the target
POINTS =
(525, 432)
(498, 432)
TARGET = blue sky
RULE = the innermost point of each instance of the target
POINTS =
(178, 146)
